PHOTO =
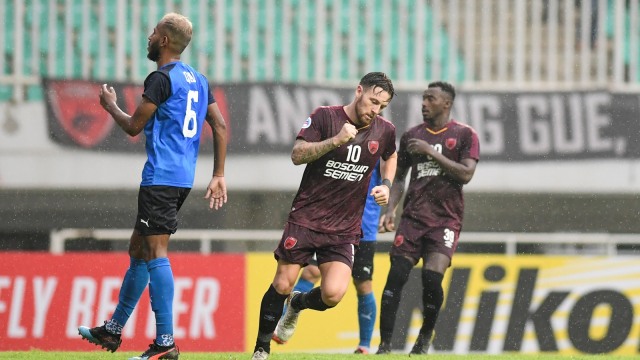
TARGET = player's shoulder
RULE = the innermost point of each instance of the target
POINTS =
(462, 127)
(414, 129)
(327, 109)
(329, 113)
(385, 122)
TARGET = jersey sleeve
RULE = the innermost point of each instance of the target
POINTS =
(210, 98)
(470, 145)
(312, 129)
(391, 142)
(157, 87)
(404, 160)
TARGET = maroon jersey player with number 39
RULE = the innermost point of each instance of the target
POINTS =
(442, 155)
(340, 146)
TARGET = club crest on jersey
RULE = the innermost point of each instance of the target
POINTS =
(290, 242)
(398, 240)
(373, 146)
(306, 123)
(450, 143)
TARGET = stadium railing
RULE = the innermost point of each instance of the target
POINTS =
(508, 242)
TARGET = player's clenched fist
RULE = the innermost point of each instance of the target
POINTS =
(347, 133)
(380, 194)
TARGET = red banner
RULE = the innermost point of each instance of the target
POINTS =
(44, 298)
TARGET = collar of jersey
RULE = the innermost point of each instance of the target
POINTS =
(437, 132)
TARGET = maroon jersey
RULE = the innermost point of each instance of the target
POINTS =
(433, 198)
(334, 188)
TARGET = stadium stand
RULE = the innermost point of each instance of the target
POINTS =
(266, 40)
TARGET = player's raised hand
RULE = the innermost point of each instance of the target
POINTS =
(216, 192)
(380, 194)
(347, 133)
(107, 96)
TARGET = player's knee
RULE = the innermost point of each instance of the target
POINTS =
(282, 286)
(332, 300)
(400, 270)
(363, 287)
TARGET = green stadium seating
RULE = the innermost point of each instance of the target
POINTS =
(387, 24)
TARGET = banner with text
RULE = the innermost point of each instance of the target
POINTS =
(493, 304)
(44, 298)
(264, 118)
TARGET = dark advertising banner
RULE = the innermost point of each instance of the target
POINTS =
(264, 118)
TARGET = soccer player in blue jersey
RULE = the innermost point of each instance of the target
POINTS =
(340, 146)
(175, 103)
(362, 272)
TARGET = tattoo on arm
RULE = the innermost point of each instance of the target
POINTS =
(306, 152)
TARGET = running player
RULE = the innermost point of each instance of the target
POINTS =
(362, 270)
(341, 146)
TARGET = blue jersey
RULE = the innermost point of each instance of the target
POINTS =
(173, 132)
(371, 215)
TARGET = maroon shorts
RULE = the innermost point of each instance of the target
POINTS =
(298, 244)
(415, 240)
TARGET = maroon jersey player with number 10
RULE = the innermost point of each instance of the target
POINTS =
(341, 146)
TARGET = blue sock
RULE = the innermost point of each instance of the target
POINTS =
(135, 281)
(161, 293)
(367, 311)
(303, 285)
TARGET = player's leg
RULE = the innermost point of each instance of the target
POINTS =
(308, 278)
(163, 222)
(135, 281)
(292, 252)
(136, 278)
(271, 307)
(335, 264)
(391, 295)
(367, 308)
(435, 265)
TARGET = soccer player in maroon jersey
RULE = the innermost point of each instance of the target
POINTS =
(442, 155)
(341, 146)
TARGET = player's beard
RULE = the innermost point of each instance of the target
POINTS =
(362, 120)
(153, 53)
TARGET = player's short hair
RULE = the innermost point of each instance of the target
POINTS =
(444, 86)
(179, 29)
(378, 79)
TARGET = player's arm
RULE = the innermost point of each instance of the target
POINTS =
(381, 192)
(305, 152)
(217, 189)
(131, 124)
(387, 220)
(460, 171)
